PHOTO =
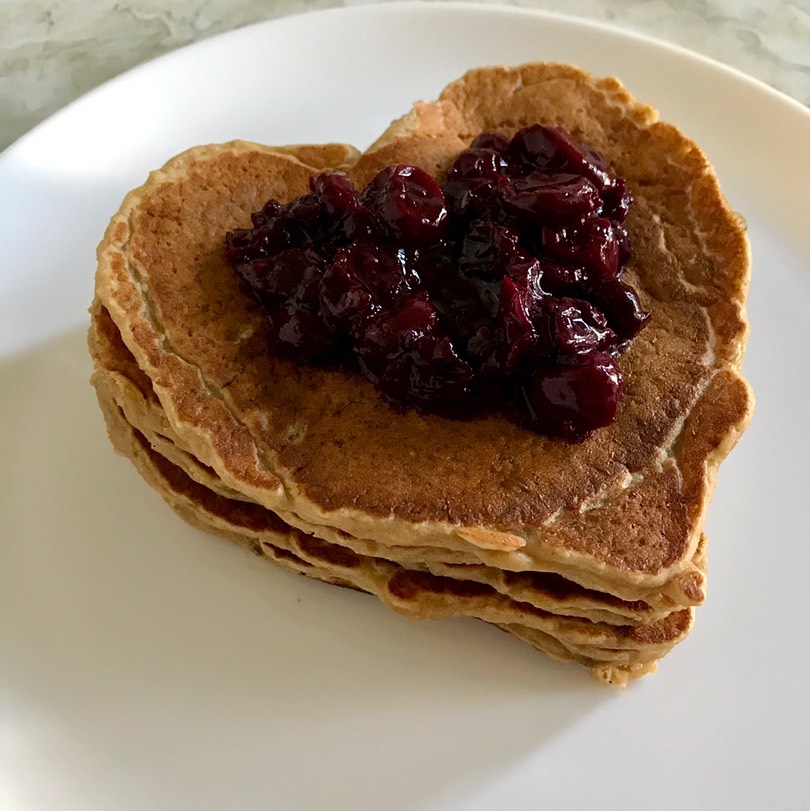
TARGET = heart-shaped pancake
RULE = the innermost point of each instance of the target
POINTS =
(621, 512)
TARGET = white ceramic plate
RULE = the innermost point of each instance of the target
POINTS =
(146, 665)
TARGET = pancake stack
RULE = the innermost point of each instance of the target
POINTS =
(590, 551)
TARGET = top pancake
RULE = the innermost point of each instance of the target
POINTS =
(628, 503)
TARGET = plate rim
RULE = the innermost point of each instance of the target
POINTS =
(423, 7)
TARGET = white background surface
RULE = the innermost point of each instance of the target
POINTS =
(146, 665)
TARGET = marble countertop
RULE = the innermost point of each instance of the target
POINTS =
(53, 52)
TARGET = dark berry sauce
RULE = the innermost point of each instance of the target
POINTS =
(499, 290)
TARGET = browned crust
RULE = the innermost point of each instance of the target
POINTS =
(627, 505)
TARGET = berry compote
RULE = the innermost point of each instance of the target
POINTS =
(499, 290)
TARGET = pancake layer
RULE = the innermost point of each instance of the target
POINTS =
(560, 544)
